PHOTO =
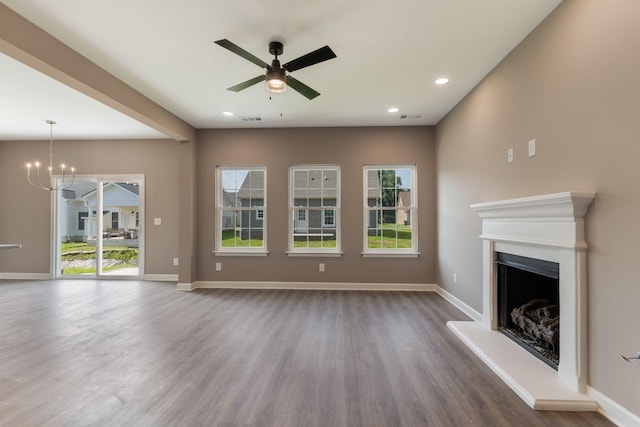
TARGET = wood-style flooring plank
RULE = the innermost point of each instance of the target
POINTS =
(106, 353)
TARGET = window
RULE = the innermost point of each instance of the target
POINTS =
(390, 209)
(314, 210)
(115, 222)
(329, 217)
(82, 217)
(241, 203)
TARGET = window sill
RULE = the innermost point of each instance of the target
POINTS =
(241, 253)
(314, 254)
(390, 254)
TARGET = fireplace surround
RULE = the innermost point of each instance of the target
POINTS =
(549, 228)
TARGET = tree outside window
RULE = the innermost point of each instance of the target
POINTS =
(390, 204)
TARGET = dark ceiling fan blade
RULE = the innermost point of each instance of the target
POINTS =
(311, 58)
(302, 88)
(244, 85)
(241, 52)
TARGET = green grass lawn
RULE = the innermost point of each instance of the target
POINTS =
(390, 236)
(75, 271)
(231, 240)
(316, 244)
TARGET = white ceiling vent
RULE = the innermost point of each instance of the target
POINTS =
(250, 119)
(411, 116)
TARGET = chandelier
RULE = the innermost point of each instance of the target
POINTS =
(63, 182)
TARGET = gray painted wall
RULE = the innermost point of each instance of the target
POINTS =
(351, 149)
(574, 86)
(25, 211)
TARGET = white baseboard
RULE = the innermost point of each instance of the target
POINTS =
(459, 304)
(161, 277)
(342, 286)
(186, 287)
(613, 411)
(25, 276)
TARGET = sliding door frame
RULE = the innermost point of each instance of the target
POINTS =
(99, 180)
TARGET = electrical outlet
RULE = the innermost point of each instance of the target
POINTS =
(218, 266)
(157, 221)
(321, 267)
(175, 261)
(455, 277)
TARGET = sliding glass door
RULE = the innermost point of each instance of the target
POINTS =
(99, 223)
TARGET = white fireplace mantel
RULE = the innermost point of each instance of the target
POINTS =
(548, 227)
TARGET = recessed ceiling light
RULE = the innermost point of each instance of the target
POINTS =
(442, 81)
(227, 113)
(393, 110)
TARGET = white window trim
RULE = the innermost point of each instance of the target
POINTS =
(387, 252)
(239, 251)
(320, 252)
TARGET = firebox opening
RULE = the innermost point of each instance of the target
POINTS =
(529, 304)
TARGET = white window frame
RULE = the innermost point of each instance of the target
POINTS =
(411, 252)
(295, 210)
(220, 208)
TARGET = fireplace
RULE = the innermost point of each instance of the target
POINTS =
(529, 304)
(549, 229)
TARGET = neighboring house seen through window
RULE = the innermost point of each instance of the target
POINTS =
(314, 209)
(390, 208)
(241, 204)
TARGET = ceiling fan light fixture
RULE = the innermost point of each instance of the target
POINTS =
(276, 81)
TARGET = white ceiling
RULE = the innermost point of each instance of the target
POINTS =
(388, 54)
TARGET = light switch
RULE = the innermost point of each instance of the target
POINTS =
(510, 155)
(157, 221)
(532, 148)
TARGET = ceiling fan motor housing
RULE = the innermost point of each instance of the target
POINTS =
(275, 48)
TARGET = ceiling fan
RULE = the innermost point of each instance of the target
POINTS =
(276, 77)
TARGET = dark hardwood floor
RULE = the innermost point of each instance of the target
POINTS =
(111, 353)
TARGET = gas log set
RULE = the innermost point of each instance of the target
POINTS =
(539, 320)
